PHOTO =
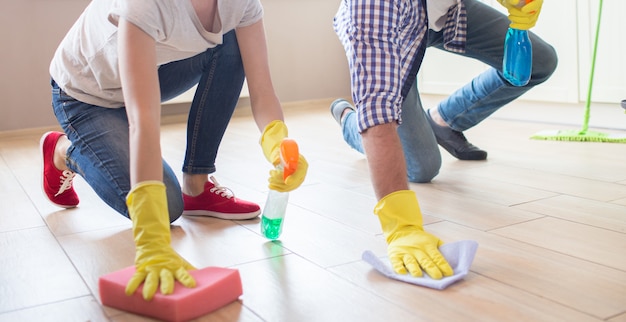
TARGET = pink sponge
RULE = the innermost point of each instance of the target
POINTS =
(215, 287)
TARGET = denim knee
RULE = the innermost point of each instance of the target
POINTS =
(422, 177)
(175, 204)
(175, 207)
(545, 61)
(425, 168)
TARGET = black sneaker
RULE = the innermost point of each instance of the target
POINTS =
(455, 142)
(338, 106)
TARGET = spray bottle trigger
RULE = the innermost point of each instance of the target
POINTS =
(289, 155)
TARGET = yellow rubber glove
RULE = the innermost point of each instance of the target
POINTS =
(409, 247)
(272, 136)
(523, 14)
(156, 262)
(278, 183)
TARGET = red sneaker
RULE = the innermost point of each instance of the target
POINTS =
(220, 202)
(56, 184)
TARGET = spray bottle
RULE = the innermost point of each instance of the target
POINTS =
(276, 203)
(518, 55)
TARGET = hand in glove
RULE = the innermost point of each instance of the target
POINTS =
(523, 15)
(156, 262)
(409, 247)
(273, 135)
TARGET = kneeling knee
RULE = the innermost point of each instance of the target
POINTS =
(423, 176)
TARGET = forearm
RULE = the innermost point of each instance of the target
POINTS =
(385, 159)
(145, 152)
(265, 110)
(264, 102)
(142, 99)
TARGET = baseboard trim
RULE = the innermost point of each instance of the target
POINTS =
(171, 114)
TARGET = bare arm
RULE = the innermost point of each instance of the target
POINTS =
(252, 45)
(138, 70)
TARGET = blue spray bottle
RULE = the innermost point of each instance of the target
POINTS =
(276, 203)
(518, 55)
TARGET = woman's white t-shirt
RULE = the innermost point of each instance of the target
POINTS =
(85, 64)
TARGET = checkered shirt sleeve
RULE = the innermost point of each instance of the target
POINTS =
(384, 43)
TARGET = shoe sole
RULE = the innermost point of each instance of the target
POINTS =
(43, 173)
(221, 215)
(481, 156)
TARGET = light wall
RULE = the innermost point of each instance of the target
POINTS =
(306, 59)
(30, 31)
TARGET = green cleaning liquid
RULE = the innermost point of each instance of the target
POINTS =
(271, 228)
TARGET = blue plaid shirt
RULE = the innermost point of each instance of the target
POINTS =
(385, 43)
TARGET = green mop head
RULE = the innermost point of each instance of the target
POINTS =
(579, 136)
(583, 135)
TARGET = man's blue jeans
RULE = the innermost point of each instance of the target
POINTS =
(469, 105)
(100, 143)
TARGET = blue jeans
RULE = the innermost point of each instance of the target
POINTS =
(469, 105)
(100, 144)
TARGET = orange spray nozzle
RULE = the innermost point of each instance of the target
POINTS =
(289, 155)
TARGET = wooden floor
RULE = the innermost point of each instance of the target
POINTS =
(549, 217)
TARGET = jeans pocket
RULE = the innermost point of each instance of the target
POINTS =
(60, 95)
(64, 97)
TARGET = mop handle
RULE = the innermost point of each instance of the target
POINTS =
(593, 68)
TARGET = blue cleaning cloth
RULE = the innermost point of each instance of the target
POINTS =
(459, 255)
